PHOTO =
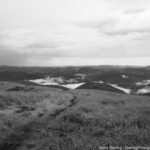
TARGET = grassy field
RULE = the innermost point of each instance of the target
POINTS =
(53, 119)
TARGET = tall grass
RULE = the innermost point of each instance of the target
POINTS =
(96, 119)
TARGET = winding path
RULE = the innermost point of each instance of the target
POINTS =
(14, 141)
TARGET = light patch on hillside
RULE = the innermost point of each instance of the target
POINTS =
(127, 91)
(143, 83)
(72, 86)
(57, 81)
(124, 76)
(144, 90)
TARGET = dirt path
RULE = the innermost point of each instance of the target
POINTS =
(46, 107)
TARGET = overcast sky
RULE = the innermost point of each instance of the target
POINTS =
(74, 32)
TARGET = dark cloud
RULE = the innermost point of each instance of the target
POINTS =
(41, 45)
(9, 57)
(134, 11)
(125, 32)
(109, 22)
(109, 27)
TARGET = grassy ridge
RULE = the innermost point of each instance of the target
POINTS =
(97, 119)
(46, 118)
(20, 109)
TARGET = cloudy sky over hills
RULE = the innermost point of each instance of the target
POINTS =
(74, 32)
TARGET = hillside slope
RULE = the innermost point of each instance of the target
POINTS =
(100, 86)
(49, 118)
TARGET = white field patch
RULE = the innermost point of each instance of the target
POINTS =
(72, 86)
(144, 90)
(52, 82)
(127, 91)
(44, 82)
(124, 76)
(143, 83)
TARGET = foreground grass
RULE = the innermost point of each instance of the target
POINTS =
(95, 118)
(19, 110)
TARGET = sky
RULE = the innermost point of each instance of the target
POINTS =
(74, 32)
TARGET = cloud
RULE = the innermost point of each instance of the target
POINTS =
(41, 45)
(102, 24)
(43, 33)
(78, 61)
(9, 57)
(134, 11)
(123, 24)
(122, 18)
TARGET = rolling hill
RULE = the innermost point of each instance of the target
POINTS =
(40, 117)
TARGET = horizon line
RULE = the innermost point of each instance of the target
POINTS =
(60, 66)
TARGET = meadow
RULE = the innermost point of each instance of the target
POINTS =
(35, 118)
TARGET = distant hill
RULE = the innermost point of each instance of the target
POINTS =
(17, 76)
(123, 76)
(99, 86)
(41, 118)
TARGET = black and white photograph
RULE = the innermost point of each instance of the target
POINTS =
(74, 74)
